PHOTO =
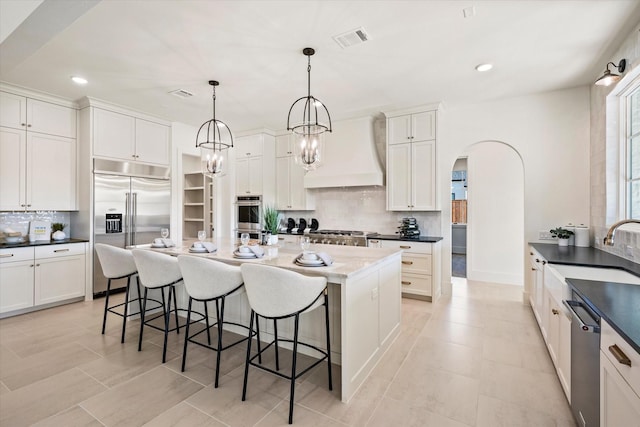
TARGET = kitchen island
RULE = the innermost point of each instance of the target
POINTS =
(364, 302)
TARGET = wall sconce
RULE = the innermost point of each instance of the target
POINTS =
(608, 78)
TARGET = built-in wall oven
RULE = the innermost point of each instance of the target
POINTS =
(249, 215)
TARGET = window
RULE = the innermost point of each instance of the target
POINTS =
(631, 142)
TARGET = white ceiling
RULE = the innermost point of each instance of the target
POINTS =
(135, 52)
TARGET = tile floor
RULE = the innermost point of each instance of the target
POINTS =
(473, 359)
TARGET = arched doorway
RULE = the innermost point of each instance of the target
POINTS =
(495, 213)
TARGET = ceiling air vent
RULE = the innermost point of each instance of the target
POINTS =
(181, 93)
(351, 38)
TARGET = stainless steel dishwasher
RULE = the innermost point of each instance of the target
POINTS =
(585, 362)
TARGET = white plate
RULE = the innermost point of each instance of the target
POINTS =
(198, 250)
(244, 255)
(157, 246)
(309, 261)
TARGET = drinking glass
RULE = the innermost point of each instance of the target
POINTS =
(202, 234)
(244, 239)
(305, 243)
(164, 232)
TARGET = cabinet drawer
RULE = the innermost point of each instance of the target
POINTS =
(610, 338)
(16, 254)
(416, 263)
(415, 247)
(53, 251)
(416, 282)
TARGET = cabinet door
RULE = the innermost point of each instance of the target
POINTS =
(249, 146)
(399, 177)
(283, 146)
(553, 328)
(51, 172)
(423, 126)
(399, 130)
(16, 285)
(423, 155)
(13, 161)
(255, 175)
(564, 352)
(59, 279)
(283, 181)
(13, 111)
(619, 404)
(113, 135)
(52, 119)
(242, 176)
(152, 142)
(300, 198)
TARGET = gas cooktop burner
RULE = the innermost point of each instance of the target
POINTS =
(340, 237)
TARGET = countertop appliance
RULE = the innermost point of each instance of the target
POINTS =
(585, 362)
(132, 203)
(340, 237)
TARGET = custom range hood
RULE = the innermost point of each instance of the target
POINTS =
(350, 158)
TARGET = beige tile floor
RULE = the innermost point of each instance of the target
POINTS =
(473, 359)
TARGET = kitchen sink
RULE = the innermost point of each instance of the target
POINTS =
(596, 273)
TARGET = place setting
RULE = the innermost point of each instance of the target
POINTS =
(311, 259)
(246, 251)
(163, 242)
(202, 247)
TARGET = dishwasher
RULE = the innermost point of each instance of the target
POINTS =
(585, 362)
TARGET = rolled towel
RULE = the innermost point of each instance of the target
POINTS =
(325, 258)
(209, 246)
(168, 243)
(257, 251)
(158, 242)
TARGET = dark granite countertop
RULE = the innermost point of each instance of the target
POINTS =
(428, 239)
(617, 303)
(40, 243)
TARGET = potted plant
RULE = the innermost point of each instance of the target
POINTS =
(562, 234)
(271, 222)
(57, 232)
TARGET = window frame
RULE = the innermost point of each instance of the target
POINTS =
(624, 94)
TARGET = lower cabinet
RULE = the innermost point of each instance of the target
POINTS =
(619, 380)
(36, 276)
(559, 341)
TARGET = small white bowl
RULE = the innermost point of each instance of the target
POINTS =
(244, 249)
(14, 239)
(309, 256)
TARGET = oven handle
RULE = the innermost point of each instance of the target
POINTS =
(585, 327)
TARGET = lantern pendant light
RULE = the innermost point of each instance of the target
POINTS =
(213, 138)
(309, 130)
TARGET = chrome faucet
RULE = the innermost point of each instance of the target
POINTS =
(611, 234)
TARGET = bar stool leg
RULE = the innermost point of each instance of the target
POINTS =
(258, 339)
(142, 311)
(293, 368)
(106, 306)
(126, 309)
(167, 317)
(275, 334)
(246, 362)
(206, 319)
(175, 304)
(326, 316)
(186, 333)
(220, 320)
(139, 293)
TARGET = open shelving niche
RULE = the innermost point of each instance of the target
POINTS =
(197, 199)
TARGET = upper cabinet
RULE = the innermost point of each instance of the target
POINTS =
(412, 160)
(37, 154)
(255, 166)
(126, 137)
(290, 191)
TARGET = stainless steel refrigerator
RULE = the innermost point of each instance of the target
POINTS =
(131, 204)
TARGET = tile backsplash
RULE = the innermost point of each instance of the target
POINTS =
(626, 244)
(19, 221)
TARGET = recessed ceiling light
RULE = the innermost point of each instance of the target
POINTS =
(79, 80)
(484, 67)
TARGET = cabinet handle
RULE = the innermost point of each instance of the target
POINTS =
(554, 311)
(544, 262)
(405, 247)
(405, 283)
(537, 260)
(29, 126)
(61, 250)
(374, 241)
(23, 124)
(619, 355)
(534, 269)
(530, 253)
(407, 262)
(6, 255)
(37, 265)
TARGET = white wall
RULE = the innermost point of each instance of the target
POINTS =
(495, 221)
(550, 131)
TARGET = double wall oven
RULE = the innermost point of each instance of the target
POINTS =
(249, 216)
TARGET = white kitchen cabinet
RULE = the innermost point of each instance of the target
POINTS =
(126, 137)
(559, 341)
(255, 166)
(420, 267)
(33, 115)
(249, 176)
(619, 380)
(290, 191)
(412, 161)
(536, 287)
(41, 275)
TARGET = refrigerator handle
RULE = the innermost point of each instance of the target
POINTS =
(134, 214)
(127, 212)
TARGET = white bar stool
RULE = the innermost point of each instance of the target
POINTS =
(207, 280)
(117, 263)
(276, 293)
(159, 271)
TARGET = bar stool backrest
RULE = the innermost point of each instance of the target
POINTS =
(156, 269)
(276, 292)
(206, 279)
(115, 262)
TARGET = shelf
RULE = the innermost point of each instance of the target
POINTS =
(193, 188)
(193, 219)
(194, 204)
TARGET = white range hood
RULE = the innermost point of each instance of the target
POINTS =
(350, 158)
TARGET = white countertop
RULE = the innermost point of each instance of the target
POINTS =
(347, 260)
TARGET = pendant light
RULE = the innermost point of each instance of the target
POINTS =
(213, 138)
(309, 129)
(608, 78)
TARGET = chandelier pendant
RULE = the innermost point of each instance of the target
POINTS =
(214, 138)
